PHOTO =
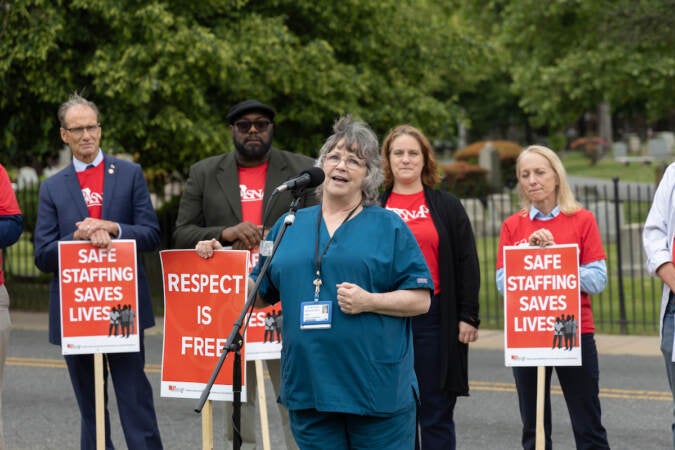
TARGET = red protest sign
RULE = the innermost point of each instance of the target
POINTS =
(264, 334)
(541, 305)
(99, 297)
(202, 299)
(264, 330)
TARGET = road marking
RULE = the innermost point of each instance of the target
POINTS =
(59, 363)
(490, 386)
(634, 394)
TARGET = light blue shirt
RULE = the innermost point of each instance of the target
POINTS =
(82, 166)
(592, 276)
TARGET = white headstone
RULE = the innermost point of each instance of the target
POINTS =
(488, 158)
(657, 148)
(27, 177)
(632, 251)
(476, 212)
(605, 215)
(620, 149)
(634, 145)
(669, 137)
(500, 206)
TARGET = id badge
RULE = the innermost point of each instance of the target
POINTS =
(315, 315)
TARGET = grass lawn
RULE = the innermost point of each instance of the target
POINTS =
(576, 163)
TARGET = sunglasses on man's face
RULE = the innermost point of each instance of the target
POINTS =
(243, 126)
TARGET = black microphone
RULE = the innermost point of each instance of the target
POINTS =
(308, 178)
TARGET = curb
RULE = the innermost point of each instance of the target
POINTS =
(608, 344)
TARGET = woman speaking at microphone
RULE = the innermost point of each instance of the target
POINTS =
(349, 274)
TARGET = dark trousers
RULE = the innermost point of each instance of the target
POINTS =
(436, 427)
(134, 399)
(580, 388)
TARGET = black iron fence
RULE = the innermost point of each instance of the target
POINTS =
(629, 304)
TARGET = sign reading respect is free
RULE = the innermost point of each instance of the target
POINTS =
(202, 300)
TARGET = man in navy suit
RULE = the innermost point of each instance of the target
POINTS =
(99, 198)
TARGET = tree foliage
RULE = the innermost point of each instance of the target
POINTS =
(566, 56)
(165, 73)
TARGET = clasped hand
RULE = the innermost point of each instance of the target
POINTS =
(98, 232)
(541, 238)
(244, 236)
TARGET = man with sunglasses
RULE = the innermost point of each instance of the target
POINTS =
(228, 197)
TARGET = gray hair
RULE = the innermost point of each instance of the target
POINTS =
(359, 138)
(75, 99)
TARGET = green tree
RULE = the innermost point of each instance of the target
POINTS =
(566, 57)
(165, 73)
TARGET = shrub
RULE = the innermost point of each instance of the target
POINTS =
(464, 179)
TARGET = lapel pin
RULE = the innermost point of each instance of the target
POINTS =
(111, 169)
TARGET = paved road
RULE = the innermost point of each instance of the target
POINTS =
(40, 410)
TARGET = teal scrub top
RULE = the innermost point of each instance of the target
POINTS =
(363, 363)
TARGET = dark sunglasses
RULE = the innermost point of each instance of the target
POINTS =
(243, 126)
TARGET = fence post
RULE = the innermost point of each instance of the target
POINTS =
(623, 322)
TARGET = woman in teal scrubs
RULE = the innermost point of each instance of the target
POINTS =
(349, 274)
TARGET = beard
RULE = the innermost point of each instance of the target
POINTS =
(252, 149)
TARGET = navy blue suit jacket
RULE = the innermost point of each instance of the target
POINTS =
(126, 200)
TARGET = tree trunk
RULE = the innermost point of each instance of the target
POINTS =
(605, 121)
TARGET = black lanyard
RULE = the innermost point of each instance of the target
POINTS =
(318, 258)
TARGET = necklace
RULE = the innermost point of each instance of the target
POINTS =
(319, 257)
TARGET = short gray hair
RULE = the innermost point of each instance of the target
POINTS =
(359, 138)
(75, 99)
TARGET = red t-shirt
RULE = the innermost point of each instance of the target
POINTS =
(91, 182)
(578, 228)
(414, 211)
(8, 206)
(251, 191)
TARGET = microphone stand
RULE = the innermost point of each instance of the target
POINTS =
(235, 341)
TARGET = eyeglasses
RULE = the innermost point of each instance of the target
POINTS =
(243, 126)
(351, 162)
(79, 131)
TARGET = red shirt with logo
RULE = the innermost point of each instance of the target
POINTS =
(91, 182)
(251, 190)
(414, 211)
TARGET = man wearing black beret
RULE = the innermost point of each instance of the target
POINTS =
(225, 198)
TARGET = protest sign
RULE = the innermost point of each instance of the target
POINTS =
(202, 300)
(264, 333)
(264, 327)
(541, 306)
(99, 297)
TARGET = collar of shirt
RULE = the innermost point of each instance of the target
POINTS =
(82, 166)
(536, 214)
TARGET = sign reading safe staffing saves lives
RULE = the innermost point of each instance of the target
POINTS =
(99, 297)
(541, 306)
(202, 300)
